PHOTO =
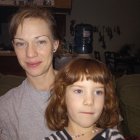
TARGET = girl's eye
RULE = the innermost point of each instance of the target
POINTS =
(99, 92)
(78, 91)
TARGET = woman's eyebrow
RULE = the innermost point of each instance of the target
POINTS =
(42, 36)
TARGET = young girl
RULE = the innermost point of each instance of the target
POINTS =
(83, 104)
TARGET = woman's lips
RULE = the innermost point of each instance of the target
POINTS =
(33, 64)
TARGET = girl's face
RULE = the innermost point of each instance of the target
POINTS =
(85, 102)
(34, 46)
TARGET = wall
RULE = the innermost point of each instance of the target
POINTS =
(124, 13)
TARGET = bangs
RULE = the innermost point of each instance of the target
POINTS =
(91, 70)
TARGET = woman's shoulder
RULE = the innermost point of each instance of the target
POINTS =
(13, 98)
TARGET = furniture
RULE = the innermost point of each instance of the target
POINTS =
(122, 64)
(60, 60)
(97, 55)
(110, 60)
(128, 64)
(66, 4)
(9, 64)
(9, 81)
(128, 90)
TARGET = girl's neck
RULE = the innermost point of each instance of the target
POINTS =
(82, 133)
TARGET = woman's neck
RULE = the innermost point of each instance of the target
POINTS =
(44, 81)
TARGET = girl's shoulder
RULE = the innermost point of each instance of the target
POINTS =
(63, 135)
(110, 134)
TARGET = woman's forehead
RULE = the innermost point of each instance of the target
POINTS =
(33, 27)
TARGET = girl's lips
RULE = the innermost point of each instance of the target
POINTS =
(90, 113)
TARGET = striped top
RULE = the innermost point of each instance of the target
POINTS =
(106, 134)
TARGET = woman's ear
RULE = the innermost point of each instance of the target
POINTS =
(55, 45)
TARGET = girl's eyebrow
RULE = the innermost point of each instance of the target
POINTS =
(100, 87)
(75, 85)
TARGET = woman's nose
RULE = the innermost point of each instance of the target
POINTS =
(31, 50)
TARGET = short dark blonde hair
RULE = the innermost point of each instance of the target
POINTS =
(56, 112)
(33, 12)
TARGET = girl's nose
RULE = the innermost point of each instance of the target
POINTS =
(31, 50)
(88, 100)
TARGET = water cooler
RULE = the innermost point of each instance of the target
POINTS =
(83, 39)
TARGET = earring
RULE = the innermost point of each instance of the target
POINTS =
(54, 50)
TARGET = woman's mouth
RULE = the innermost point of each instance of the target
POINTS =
(33, 64)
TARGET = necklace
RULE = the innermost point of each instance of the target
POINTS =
(82, 134)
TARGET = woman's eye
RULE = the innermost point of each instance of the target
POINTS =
(41, 42)
(20, 44)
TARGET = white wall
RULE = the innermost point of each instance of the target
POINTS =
(124, 13)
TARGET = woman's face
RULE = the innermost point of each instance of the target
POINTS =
(34, 46)
(85, 102)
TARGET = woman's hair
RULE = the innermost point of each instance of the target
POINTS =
(91, 69)
(33, 12)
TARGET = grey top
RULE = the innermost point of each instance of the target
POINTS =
(22, 113)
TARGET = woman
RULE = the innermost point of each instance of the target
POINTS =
(35, 38)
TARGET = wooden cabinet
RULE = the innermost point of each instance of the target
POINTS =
(63, 4)
(9, 64)
(58, 6)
